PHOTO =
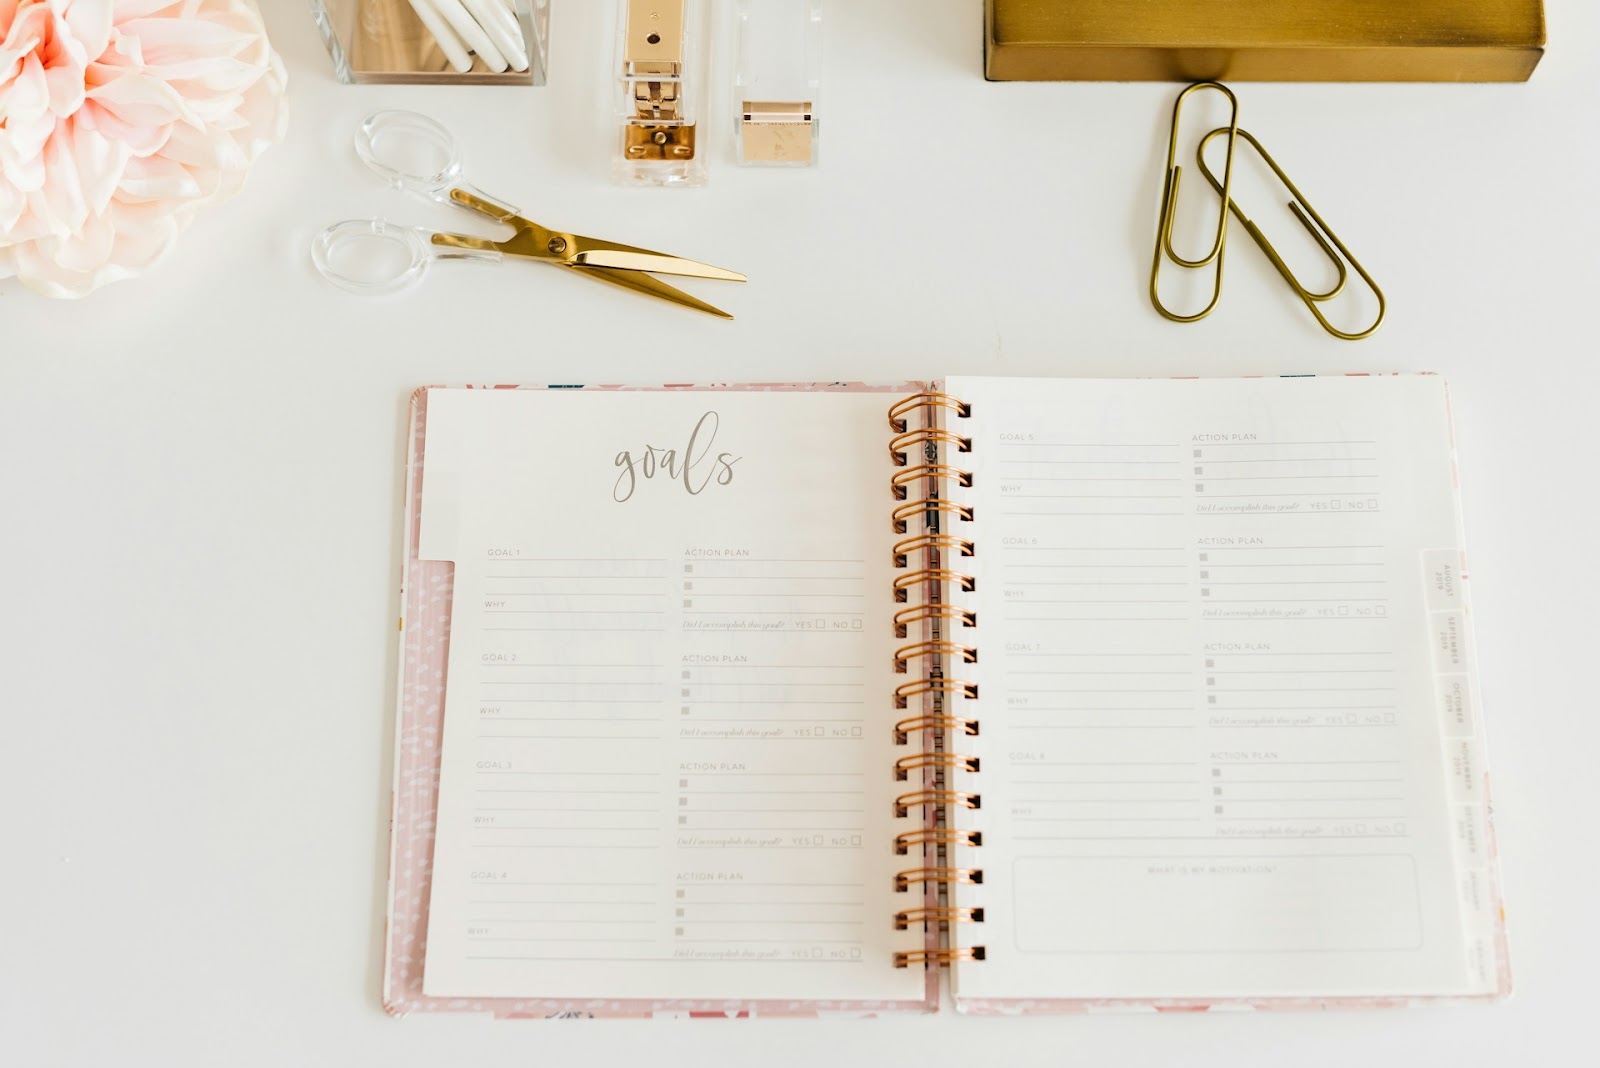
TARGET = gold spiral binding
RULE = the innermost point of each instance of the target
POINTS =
(942, 799)
(903, 444)
(938, 958)
(904, 729)
(907, 653)
(910, 763)
(907, 690)
(897, 414)
(915, 508)
(935, 836)
(927, 542)
(907, 616)
(904, 583)
(929, 517)
(907, 475)
(904, 880)
(940, 914)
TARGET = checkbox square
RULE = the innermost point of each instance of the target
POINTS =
(1380, 610)
(1205, 557)
(679, 895)
(688, 603)
(683, 712)
(683, 783)
(1205, 592)
(1199, 487)
(1205, 574)
(685, 674)
(678, 913)
(855, 839)
(1217, 809)
(688, 569)
(683, 802)
(1344, 610)
(682, 820)
(1211, 699)
(687, 586)
(1216, 791)
(1211, 663)
(685, 692)
(677, 930)
(1216, 773)
(1197, 454)
(1199, 470)
(1210, 681)
(855, 732)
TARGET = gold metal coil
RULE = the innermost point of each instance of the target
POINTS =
(908, 475)
(910, 763)
(901, 445)
(923, 542)
(938, 958)
(902, 583)
(911, 509)
(904, 880)
(944, 916)
(935, 836)
(907, 690)
(907, 653)
(904, 728)
(940, 798)
(930, 399)
(907, 616)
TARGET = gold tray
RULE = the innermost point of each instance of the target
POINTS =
(1263, 40)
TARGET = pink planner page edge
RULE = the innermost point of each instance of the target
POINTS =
(425, 639)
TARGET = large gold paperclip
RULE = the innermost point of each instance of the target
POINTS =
(1309, 218)
(1169, 208)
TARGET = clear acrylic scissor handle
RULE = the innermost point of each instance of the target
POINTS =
(373, 256)
(414, 153)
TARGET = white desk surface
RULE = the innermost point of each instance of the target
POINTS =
(200, 487)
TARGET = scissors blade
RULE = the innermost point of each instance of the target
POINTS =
(628, 259)
(650, 287)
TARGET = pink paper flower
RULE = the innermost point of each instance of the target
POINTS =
(118, 120)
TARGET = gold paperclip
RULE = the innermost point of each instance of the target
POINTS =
(1309, 218)
(1169, 207)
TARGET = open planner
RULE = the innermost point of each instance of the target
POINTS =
(795, 699)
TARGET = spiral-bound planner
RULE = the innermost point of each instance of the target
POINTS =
(778, 700)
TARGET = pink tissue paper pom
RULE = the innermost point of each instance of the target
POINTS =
(119, 119)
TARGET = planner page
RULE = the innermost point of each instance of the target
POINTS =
(666, 762)
(1219, 631)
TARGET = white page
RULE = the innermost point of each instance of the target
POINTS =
(1213, 761)
(666, 754)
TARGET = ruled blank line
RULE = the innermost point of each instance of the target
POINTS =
(1273, 478)
(581, 737)
(1316, 800)
(1186, 837)
(1100, 619)
(1089, 600)
(1294, 460)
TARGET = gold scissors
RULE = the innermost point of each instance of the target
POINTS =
(416, 154)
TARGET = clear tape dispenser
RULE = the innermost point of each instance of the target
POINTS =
(663, 55)
(777, 79)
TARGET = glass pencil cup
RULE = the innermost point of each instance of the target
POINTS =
(436, 42)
